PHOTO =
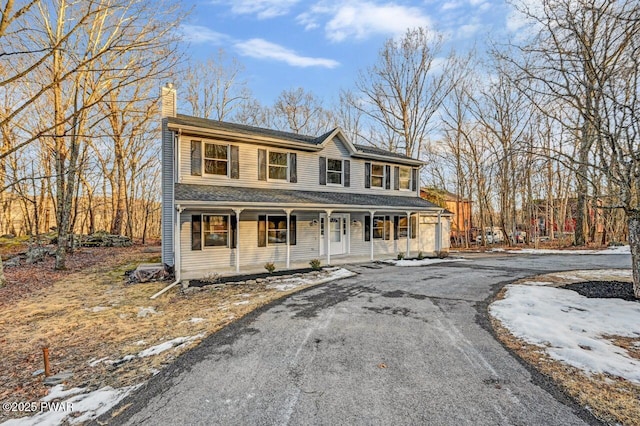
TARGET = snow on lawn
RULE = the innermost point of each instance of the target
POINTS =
(609, 250)
(165, 346)
(421, 262)
(569, 327)
(327, 274)
(79, 408)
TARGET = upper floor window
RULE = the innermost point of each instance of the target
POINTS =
(334, 172)
(212, 159)
(377, 176)
(278, 165)
(404, 178)
(216, 159)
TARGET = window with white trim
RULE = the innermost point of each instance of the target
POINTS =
(216, 159)
(276, 230)
(403, 228)
(379, 228)
(334, 172)
(215, 230)
(404, 181)
(377, 176)
(278, 165)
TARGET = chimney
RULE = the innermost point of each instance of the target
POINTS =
(168, 95)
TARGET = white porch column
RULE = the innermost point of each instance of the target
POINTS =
(288, 212)
(237, 236)
(327, 234)
(408, 234)
(420, 247)
(372, 212)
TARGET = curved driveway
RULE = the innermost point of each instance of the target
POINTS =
(389, 346)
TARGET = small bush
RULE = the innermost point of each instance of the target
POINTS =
(270, 267)
(442, 254)
(211, 278)
(401, 255)
(420, 255)
(315, 264)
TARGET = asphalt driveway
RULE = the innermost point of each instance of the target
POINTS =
(388, 346)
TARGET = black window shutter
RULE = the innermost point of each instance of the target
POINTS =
(292, 230)
(414, 179)
(367, 228)
(262, 231)
(396, 178)
(387, 173)
(414, 226)
(387, 228)
(396, 222)
(262, 164)
(322, 166)
(347, 173)
(293, 167)
(196, 158)
(233, 241)
(367, 175)
(235, 162)
(196, 232)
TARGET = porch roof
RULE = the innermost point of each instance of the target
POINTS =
(246, 197)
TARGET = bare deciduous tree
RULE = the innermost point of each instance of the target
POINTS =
(405, 88)
(213, 88)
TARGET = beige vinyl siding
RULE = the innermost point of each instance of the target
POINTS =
(199, 263)
(307, 169)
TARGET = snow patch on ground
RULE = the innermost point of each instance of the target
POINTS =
(81, 406)
(569, 327)
(149, 310)
(609, 250)
(165, 346)
(327, 275)
(421, 262)
(244, 302)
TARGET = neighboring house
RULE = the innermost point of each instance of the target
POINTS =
(236, 197)
(459, 206)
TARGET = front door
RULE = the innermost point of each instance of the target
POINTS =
(338, 232)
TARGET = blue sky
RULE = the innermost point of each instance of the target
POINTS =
(321, 44)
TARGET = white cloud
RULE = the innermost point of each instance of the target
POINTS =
(450, 5)
(468, 30)
(361, 19)
(262, 49)
(200, 34)
(263, 9)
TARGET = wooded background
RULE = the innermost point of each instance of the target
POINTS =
(544, 128)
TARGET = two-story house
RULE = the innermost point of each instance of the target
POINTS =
(236, 197)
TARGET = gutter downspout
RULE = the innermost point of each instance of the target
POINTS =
(176, 250)
(439, 232)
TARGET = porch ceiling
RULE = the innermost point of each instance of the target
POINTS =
(190, 193)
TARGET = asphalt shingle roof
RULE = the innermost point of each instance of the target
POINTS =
(187, 120)
(205, 123)
(191, 192)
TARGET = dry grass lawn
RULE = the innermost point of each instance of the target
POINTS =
(612, 399)
(90, 315)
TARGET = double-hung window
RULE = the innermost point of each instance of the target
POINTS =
(403, 228)
(334, 172)
(377, 176)
(216, 159)
(404, 180)
(380, 230)
(278, 165)
(215, 230)
(277, 230)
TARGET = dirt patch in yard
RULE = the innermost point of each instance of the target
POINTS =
(103, 330)
(611, 399)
